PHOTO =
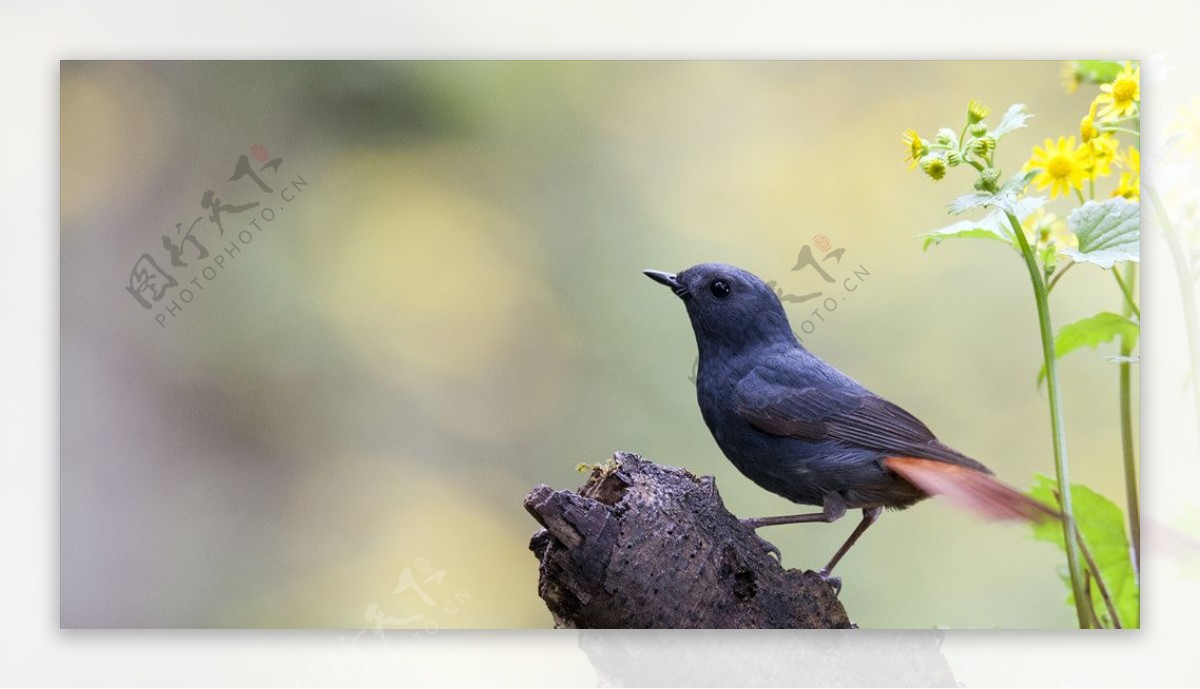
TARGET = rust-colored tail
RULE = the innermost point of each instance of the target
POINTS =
(979, 492)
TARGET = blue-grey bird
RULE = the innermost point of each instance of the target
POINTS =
(804, 430)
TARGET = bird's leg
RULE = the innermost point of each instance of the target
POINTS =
(833, 509)
(870, 516)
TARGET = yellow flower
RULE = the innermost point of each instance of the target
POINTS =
(1061, 166)
(1102, 152)
(983, 147)
(916, 147)
(1122, 96)
(1130, 186)
(1132, 160)
(1071, 77)
(1087, 126)
(976, 111)
(1042, 228)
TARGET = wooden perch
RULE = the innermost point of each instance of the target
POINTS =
(647, 546)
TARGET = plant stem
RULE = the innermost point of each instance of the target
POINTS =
(1187, 290)
(1094, 571)
(1087, 586)
(1074, 566)
(1058, 276)
(1125, 390)
(1122, 129)
(1130, 304)
(1100, 585)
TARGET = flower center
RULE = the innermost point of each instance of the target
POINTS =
(1059, 166)
(1124, 89)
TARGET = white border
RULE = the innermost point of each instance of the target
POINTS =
(34, 36)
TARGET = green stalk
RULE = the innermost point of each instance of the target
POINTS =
(1127, 292)
(1126, 130)
(1131, 477)
(1094, 572)
(1058, 276)
(1040, 295)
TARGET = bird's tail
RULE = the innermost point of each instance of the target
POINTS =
(974, 490)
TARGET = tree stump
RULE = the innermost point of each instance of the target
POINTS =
(642, 545)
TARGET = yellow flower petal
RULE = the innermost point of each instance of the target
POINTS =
(1061, 165)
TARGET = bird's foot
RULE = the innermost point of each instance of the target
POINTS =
(768, 546)
(834, 582)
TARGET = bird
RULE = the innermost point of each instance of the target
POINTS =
(802, 429)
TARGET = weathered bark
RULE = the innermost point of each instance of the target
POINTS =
(647, 546)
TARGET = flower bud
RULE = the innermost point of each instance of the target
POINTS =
(976, 111)
(1087, 126)
(989, 180)
(934, 166)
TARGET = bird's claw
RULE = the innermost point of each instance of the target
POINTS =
(768, 546)
(834, 582)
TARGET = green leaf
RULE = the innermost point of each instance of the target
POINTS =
(988, 227)
(1108, 232)
(1005, 197)
(994, 225)
(1098, 71)
(964, 229)
(1102, 527)
(1017, 183)
(1091, 332)
(966, 202)
(1014, 119)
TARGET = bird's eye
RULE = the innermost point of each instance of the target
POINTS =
(719, 288)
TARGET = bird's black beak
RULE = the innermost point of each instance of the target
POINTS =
(668, 279)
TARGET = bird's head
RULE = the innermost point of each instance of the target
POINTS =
(730, 308)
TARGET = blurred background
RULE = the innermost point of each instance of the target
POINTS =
(447, 308)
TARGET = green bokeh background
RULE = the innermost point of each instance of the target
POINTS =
(453, 311)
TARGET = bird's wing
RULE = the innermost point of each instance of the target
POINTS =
(808, 399)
